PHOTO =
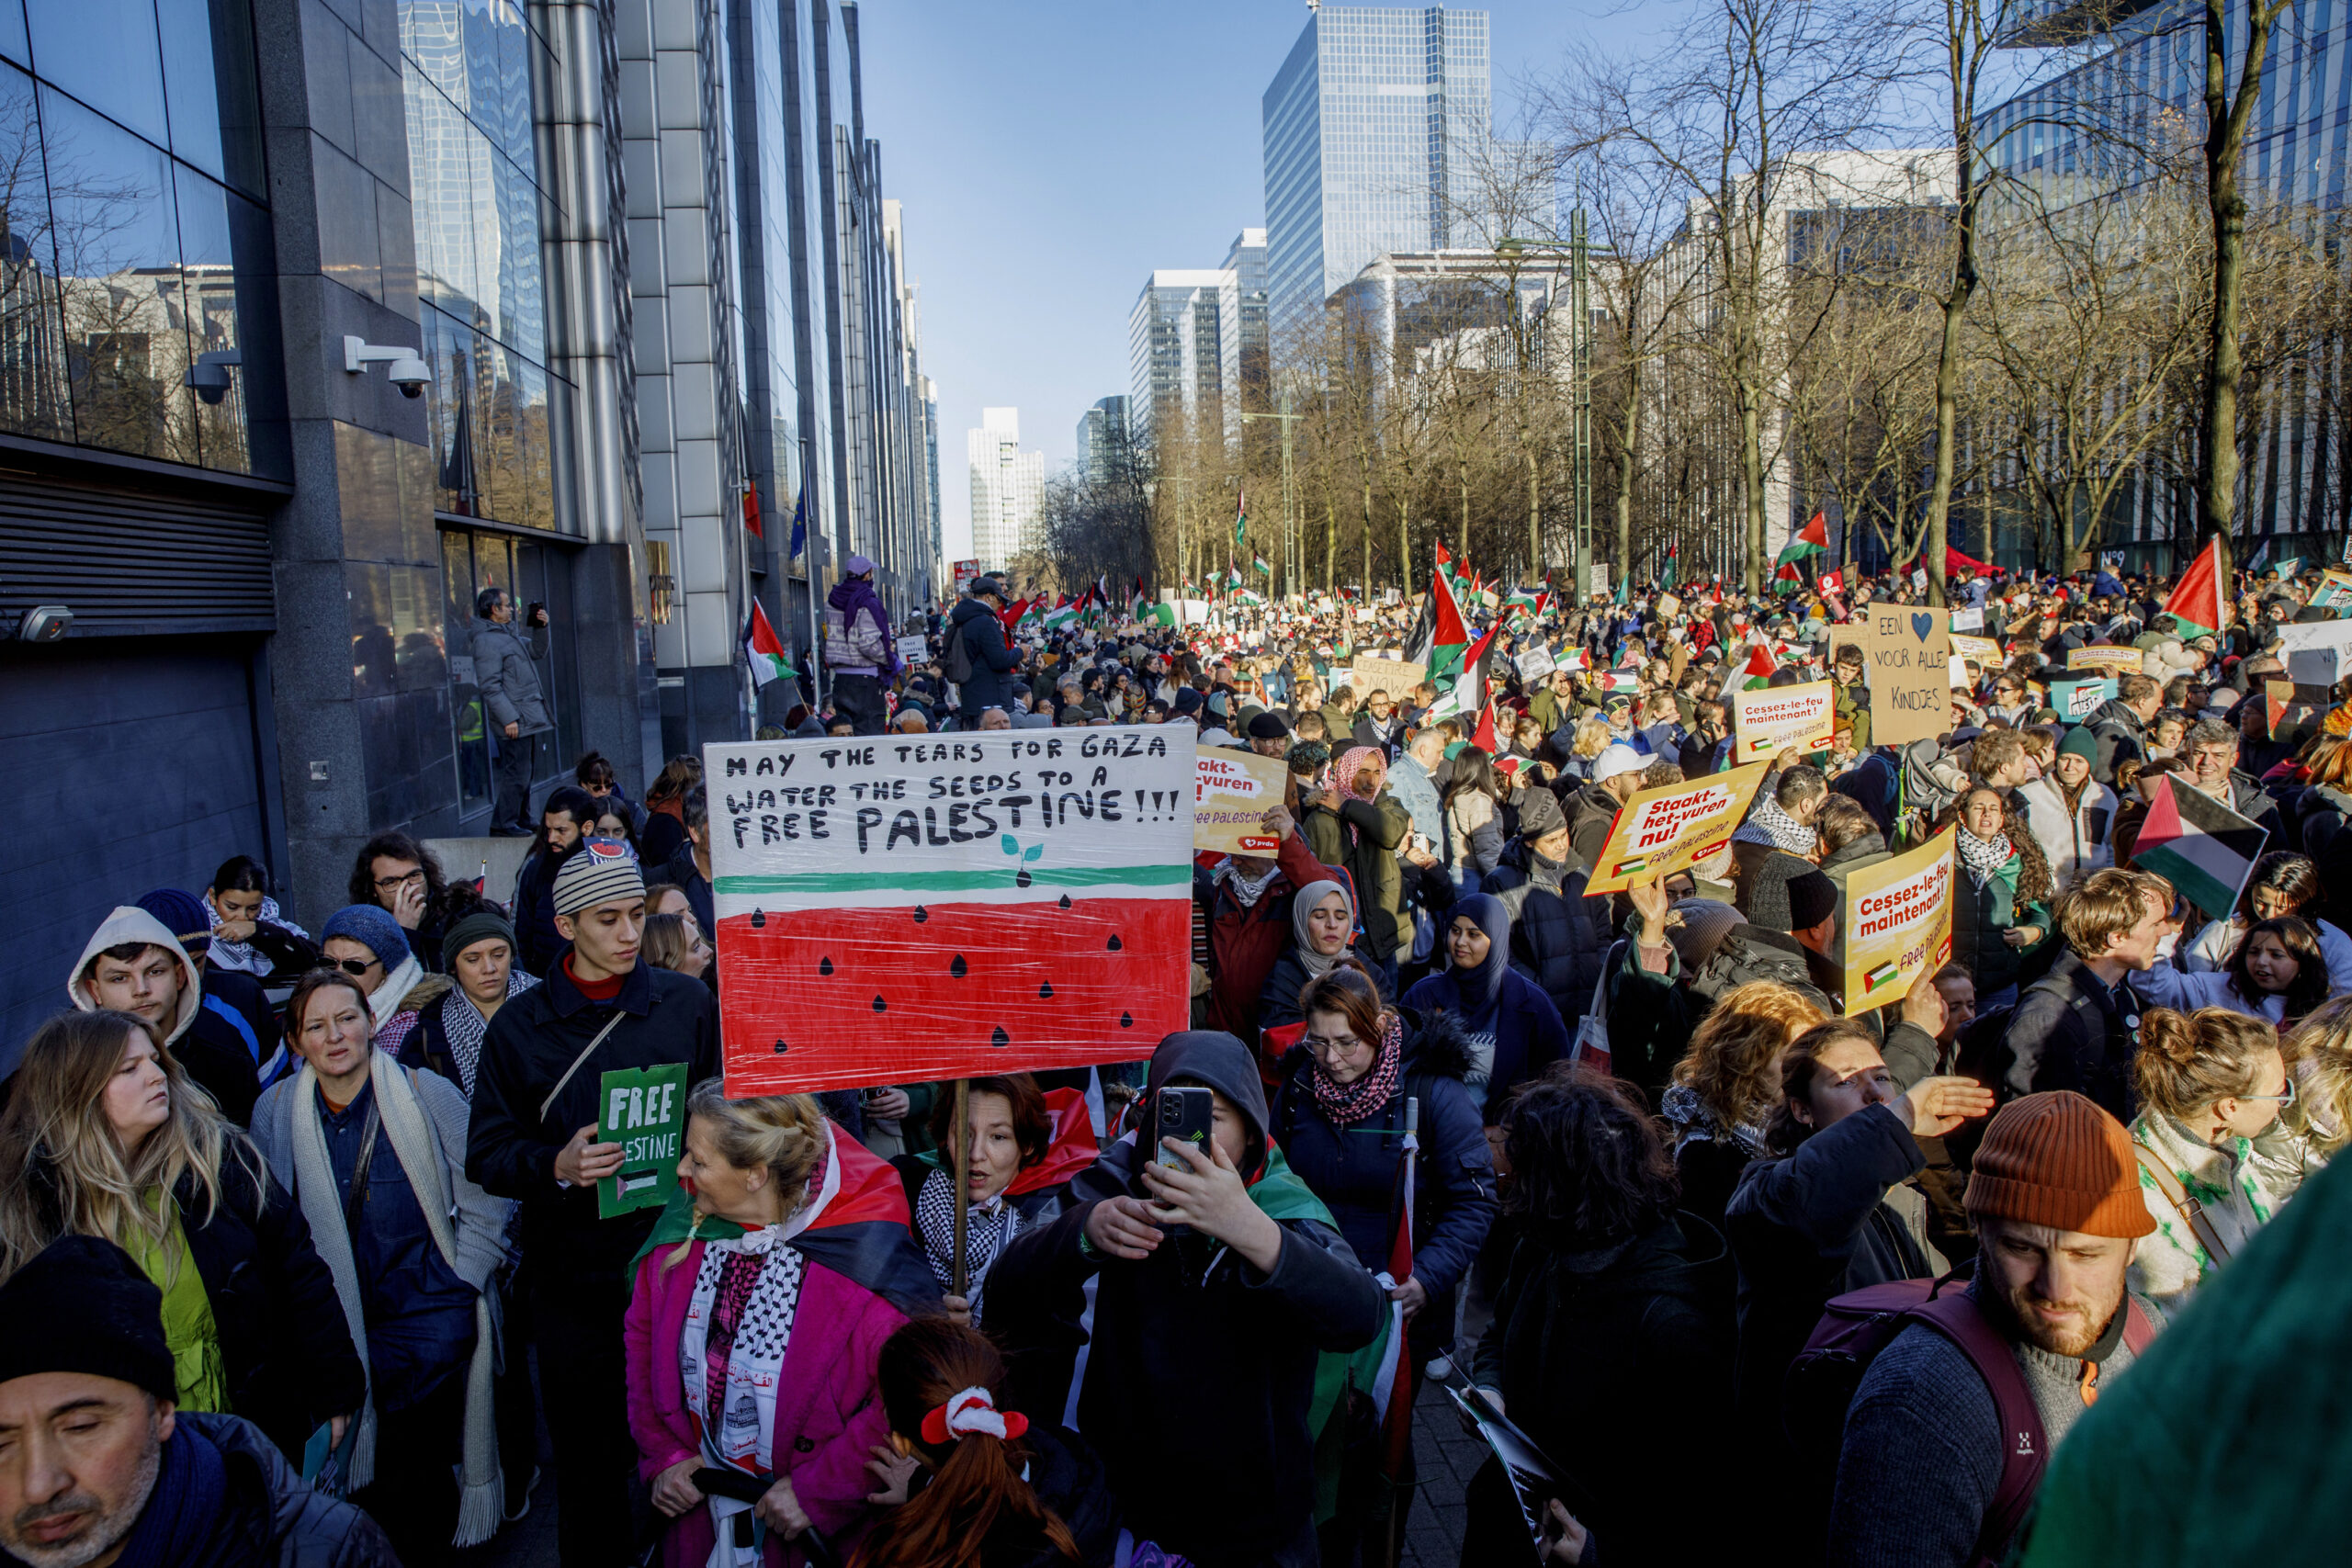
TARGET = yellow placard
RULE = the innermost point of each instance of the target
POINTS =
(1897, 922)
(1232, 791)
(1783, 721)
(1662, 830)
(1907, 653)
(2119, 661)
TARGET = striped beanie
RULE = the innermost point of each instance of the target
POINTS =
(598, 872)
(2058, 1159)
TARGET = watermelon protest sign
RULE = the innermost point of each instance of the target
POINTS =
(897, 911)
(1232, 791)
(1783, 721)
(1897, 922)
(1664, 829)
(644, 1111)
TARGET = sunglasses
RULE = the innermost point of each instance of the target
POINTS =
(357, 966)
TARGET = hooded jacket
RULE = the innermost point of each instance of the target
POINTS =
(1353, 1170)
(857, 631)
(207, 1045)
(992, 656)
(1558, 936)
(2121, 737)
(1192, 1373)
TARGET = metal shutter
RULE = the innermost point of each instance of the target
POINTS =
(130, 562)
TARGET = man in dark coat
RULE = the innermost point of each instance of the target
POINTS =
(598, 999)
(507, 675)
(2078, 1026)
(1199, 1346)
(104, 1469)
(974, 621)
(2119, 725)
(1558, 937)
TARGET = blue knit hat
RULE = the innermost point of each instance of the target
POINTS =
(183, 915)
(374, 928)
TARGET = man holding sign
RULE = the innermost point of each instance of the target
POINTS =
(539, 1101)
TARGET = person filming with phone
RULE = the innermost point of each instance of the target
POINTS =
(1216, 1281)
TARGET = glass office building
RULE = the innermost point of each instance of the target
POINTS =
(1364, 124)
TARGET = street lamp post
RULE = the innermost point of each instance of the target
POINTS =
(1291, 572)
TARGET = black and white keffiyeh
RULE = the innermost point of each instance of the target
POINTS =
(987, 1228)
(759, 1279)
(1768, 824)
(1985, 857)
(1246, 892)
(463, 1025)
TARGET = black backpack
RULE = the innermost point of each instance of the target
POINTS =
(956, 663)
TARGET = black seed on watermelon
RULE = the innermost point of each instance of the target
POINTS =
(825, 966)
(921, 914)
(881, 1006)
(759, 919)
(1046, 989)
(959, 967)
(1114, 944)
(1021, 879)
(1065, 900)
(781, 1047)
(1126, 1021)
(1000, 1037)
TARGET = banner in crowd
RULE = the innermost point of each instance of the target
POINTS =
(1783, 721)
(2075, 701)
(2335, 590)
(1535, 664)
(1969, 620)
(1983, 650)
(1907, 655)
(1662, 830)
(1897, 922)
(644, 1111)
(901, 909)
(1397, 677)
(914, 651)
(2114, 660)
(2315, 651)
(1232, 791)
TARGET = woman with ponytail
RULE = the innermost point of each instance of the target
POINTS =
(2212, 1083)
(985, 1488)
(762, 1302)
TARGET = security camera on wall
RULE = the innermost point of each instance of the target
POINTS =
(403, 369)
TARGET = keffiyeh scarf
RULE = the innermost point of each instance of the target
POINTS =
(239, 955)
(1345, 1104)
(1985, 857)
(988, 1228)
(1246, 893)
(739, 1323)
(1768, 824)
(1693, 1124)
(463, 1025)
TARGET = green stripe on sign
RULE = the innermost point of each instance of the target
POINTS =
(986, 881)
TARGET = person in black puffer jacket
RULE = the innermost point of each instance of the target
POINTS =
(81, 1340)
(1558, 937)
(975, 623)
(976, 1487)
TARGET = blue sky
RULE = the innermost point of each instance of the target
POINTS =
(1051, 153)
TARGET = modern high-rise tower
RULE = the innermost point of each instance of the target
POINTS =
(1365, 125)
(1008, 485)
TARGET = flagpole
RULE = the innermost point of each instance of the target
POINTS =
(962, 1180)
(808, 572)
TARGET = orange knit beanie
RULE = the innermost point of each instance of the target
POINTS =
(2059, 1160)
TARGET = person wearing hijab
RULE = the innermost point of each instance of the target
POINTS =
(1513, 1031)
(1374, 824)
(1322, 925)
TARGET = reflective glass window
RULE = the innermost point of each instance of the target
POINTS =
(32, 345)
(12, 32)
(105, 53)
(208, 76)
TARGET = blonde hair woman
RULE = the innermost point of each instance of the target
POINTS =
(1726, 1087)
(105, 1136)
(2319, 1123)
(2210, 1082)
(748, 1339)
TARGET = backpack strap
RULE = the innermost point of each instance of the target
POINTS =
(2190, 1208)
(1953, 1315)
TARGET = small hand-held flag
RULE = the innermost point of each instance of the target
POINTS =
(2197, 603)
(1240, 517)
(1391, 1388)
(765, 649)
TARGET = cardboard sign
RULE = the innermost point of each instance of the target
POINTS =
(914, 650)
(1597, 578)
(1394, 676)
(1969, 620)
(1783, 721)
(1983, 650)
(1662, 830)
(2075, 701)
(1535, 664)
(1232, 791)
(1897, 922)
(2114, 660)
(2335, 590)
(898, 909)
(644, 1111)
(2316, 651)
(1907, 657)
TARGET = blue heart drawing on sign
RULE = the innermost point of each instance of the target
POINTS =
(1920, 626)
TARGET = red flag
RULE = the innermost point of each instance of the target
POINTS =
(1396, 1419)
(1482, 736)
(1955, 563)
(1449, 631)
(2198, 601)
(751, 511)
(1010, 614)
(1759, 662)
(1443, 557)
(1816, 533)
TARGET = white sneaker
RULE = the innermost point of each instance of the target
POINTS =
(1439, 1369)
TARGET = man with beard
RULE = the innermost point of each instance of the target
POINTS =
(97, 1465)
(2055, 1201)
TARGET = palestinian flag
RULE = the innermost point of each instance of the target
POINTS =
(1482, 736)
(2198, 844)
(761, 645)
(1159, 615)
(1259, 563)
(1447, 635)
(1142, 605)
(1759, 667)
(1232, 575)
(855, 1223)
(1812, 539)
(1244, 596)
(2197, 603)
(1062, 615)
(1627, 682)
(1665, 572)
(1240, 517)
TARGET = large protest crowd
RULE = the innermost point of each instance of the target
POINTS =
(306, 1237)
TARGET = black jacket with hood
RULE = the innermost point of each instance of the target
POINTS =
(1188, 1370)
(207, 1046)
(992, 656)
(1353, 1170)
(1558, 936)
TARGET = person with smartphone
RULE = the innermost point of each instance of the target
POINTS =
(507, 675)
(1200, 1280)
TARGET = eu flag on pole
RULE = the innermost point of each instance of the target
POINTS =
(800, 523)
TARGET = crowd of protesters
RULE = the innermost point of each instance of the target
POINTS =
(299, 1236)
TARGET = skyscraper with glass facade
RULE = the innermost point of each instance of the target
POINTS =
(1366, 128)
(1175, 354)
(1007, 486)
(1103, 437)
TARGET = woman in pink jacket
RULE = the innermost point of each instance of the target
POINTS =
(751, 1348)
